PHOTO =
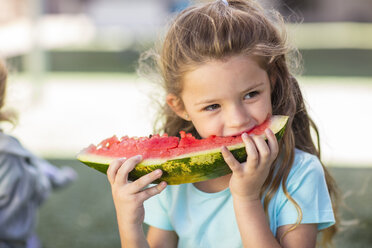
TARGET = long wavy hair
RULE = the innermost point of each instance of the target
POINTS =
(216, 31)
(5, 115)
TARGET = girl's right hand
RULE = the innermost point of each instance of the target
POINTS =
(129, 196)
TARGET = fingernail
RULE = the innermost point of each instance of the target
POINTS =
(158, 171)
(122, 159)
(139, 157)
(268, 131)
(244, 136)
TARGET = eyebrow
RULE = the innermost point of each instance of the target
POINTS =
(214, 100)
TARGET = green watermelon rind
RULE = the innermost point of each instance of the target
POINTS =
(184, 170)
(189, 168)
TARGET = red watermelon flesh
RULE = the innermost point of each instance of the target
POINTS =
(164, 146)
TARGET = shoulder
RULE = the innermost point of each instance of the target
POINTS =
(11, 145)
(12, 157)
(9, 165)
(305, 159)
(307, 173)
(11, 175)
(16, 167)
(307, 186)
(305, 165)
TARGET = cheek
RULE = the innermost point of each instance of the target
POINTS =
(206, 127)
(200, 124)
(263, 108)
(268, 103)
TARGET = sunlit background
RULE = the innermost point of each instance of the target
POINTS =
(73, 82)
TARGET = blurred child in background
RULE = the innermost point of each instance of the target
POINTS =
(25, 183)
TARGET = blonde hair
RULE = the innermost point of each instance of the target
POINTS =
(216, 31)
(5, 115)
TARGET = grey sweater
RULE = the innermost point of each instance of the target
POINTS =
(25, 183)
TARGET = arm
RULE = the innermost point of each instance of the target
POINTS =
(303, 236)
(161, 238)
(128, 199)
(255, 230)
(58, 177)
(252, 223)
(245, 185)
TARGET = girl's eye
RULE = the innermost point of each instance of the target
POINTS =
(251, 95)
(212, 107)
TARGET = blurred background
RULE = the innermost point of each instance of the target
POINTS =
(73, 82)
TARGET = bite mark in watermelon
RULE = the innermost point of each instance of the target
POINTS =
(185, 160)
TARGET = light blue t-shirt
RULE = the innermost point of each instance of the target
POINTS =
(208, 220)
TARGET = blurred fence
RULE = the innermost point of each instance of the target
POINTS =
(317, 62)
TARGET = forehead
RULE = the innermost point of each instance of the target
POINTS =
(235, 71)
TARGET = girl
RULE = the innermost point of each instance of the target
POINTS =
(25, 183)
(225, 70)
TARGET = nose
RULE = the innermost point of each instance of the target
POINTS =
(237, 117)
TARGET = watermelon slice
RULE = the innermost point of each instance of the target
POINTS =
(184, 160)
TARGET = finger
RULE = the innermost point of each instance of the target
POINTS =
(145, 180)
(250, 147)
(262, 149)
(272, 142)
(230, 160)
(127, 167)
(151, 191)
(113, 168)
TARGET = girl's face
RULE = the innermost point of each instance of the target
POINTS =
(225, 98)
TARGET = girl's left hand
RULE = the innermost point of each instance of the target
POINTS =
(248, 178)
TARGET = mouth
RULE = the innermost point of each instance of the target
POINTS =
(245, 131)
(250, 129)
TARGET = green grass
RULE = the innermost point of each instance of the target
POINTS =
(351, 62)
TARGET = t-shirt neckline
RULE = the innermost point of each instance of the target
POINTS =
(221, 193)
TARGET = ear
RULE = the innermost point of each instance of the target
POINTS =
(175, 103)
